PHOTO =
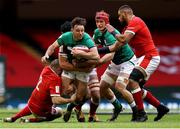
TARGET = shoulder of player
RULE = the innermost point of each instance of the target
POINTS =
(66, 34)
(137, 20)
(47, 71)
(97, 34)
(69, 33)
(96, 31)
(87, 36)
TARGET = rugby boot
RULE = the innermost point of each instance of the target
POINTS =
(79, 115)
(115, 114)
(8, 120)
(93, 118)
(141, 116)
(67, 116)
(162, 110)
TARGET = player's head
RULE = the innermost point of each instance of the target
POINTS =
(56, 67)
(65, 27)
(125, 13)
(78, 27)
(102, 15)
(101, 18)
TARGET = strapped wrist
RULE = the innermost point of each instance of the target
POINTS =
(104, 50)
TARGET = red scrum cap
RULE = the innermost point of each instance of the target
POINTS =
(102, 15)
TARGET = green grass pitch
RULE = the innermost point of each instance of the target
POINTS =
(123, 121)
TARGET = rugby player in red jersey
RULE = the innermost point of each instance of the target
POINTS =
(44, 97)
(138, 36)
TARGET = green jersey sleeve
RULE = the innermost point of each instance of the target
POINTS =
(65, 39)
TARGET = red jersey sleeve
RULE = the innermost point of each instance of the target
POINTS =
(133, 27)
(55, 88)
(142, 41)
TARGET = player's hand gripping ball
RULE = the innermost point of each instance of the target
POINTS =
(78, 50)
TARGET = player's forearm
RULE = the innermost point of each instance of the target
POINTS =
(106, 58)
(91, 56)
(64, 64)
(85, 69)
(61, 100)
(67, 66)
(109, 49)
(50, 50)
(70, 67)
(115, 46)
(86, 66)
(87, 63)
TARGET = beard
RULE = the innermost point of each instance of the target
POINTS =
(123, 23)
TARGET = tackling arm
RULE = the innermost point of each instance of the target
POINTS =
(61, 100)
(121, 40)
(106, 58)
(64, 64)
(89, 63)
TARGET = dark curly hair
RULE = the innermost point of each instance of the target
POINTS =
(78, 21)
(66, 26)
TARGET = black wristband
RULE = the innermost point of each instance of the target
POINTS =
(114, 33)
(104, 50)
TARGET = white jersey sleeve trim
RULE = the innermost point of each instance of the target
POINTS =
(55, 95)
(129, 31)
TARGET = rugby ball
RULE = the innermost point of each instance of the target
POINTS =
(82, 48)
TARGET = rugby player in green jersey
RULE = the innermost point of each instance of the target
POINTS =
(79, 76)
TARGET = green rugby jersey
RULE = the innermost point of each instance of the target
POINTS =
(68, 42)
(124, 53)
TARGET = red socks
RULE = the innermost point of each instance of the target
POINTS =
(93, 108)
(137, 95)
(24, 112)
(148, 97)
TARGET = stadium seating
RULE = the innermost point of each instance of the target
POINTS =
(22, 69)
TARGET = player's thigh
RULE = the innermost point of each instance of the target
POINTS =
(67, 81)
(123, 78)
(82, 76)
(109, 77)
(147, 64)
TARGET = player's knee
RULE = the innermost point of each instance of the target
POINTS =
(95, 96)
(122, 82)
(136, 75)
(94, 86)
(79, 98)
